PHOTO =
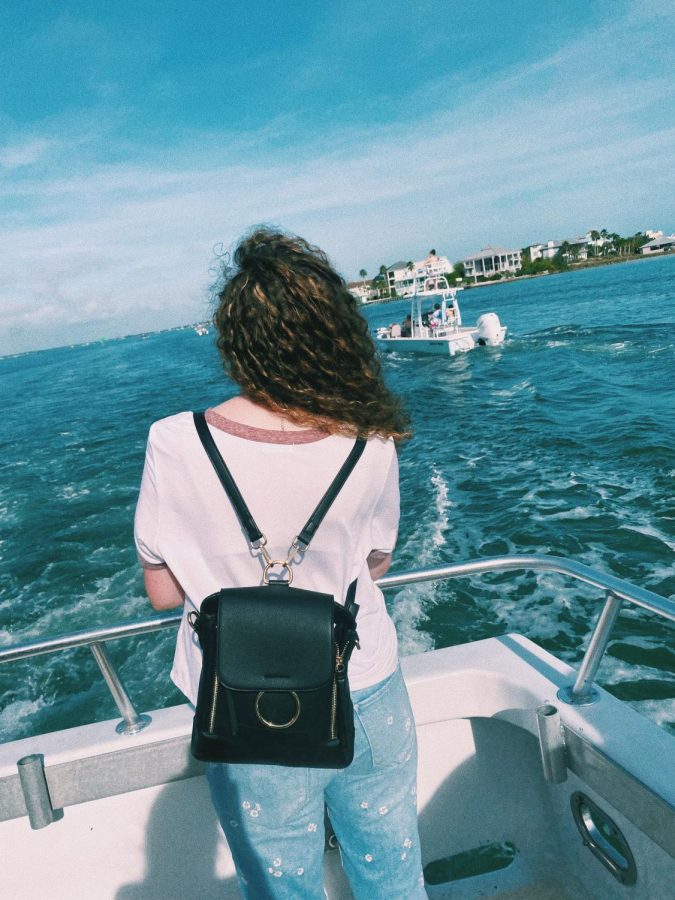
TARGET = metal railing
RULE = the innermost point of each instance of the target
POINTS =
(617, 591)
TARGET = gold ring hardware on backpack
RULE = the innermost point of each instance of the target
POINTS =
(267, 722)
(274, 686)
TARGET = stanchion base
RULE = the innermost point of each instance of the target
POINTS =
(567, 695)
(133, 727)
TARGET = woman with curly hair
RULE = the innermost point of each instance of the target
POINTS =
(292, 339)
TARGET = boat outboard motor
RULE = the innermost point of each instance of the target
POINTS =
(489, 329)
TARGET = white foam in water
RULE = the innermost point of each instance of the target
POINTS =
(578, 512)
(472, 461)
(6, 637)
(441, 504)
(650, 531)
(72, 492)
(408, 613)
(660, 711)
(541, 620)
(409, 604)
(515, 389)
(13, 717)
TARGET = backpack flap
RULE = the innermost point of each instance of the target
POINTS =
(275, 638)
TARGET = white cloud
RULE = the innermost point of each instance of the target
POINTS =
(24, 153)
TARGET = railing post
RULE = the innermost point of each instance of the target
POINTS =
(582, 692)
(132, 723)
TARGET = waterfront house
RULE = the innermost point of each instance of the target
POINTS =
(399, 278)
(362, 290)
(403, 278)
(491, 261)
(544, 251)
(577, 248)
(659, 244)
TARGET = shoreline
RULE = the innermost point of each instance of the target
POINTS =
(573, 267)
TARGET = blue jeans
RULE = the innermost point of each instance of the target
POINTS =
(273, 816)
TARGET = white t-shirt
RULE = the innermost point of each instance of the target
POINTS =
(185, 521)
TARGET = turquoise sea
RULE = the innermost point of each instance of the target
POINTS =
(561, 441)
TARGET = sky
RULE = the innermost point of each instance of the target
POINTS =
(138, 139)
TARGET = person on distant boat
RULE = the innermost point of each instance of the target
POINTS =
(406, 326)
(436, 317)
(395, 330)
(292, 338)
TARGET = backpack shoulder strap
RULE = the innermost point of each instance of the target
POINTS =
(304, 538)
(247, 521)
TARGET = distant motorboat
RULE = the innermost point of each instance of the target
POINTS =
(440, 330)
(201, 329)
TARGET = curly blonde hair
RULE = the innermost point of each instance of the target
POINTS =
(291, 336)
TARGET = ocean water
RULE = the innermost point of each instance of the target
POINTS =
(561, 442)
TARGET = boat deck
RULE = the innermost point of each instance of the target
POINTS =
(122, 816)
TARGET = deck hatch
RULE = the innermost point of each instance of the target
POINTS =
(480, 860)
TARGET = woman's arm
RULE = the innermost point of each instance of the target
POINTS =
(163, 589)
(378, 563)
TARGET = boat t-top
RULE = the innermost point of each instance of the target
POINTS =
(439, 329)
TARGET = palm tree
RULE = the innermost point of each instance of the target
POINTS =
(383, 273)
(595, 237)
(604, 235)
(565, 249)
(363, 274)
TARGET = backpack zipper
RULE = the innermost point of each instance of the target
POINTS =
(339, 669)
(214, 701)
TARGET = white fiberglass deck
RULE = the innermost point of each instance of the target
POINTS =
(149, 831)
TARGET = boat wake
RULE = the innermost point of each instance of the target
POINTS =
(420, 550)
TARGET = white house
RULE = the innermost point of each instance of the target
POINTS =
(399, 277)
(362, 290)
(578, 249)
(544, 251)
(659, 244)
(491, 261)
(404, 279)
